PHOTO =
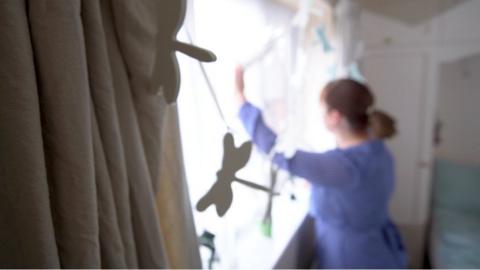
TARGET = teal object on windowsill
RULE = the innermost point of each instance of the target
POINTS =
(266, 228)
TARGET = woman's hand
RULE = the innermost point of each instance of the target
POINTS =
(239, 85)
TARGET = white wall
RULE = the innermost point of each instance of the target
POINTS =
(415, 55)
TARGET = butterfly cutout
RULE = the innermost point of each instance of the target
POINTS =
(220, 194)
(166, 73)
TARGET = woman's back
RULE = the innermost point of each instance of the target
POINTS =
(352, 221)
(362, 204)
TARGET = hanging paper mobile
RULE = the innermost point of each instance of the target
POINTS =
(166, 74)
(220, 194)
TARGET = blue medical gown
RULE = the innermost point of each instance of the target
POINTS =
(351, 189)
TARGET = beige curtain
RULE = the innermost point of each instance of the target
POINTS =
(81, 160)
(173, 202)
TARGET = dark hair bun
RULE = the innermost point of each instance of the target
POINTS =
(382, 125)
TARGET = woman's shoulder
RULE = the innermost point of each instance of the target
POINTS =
(370, 146)
(372, 150)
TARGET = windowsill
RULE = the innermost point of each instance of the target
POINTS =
(255, 250)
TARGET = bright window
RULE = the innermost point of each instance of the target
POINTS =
(236, 30)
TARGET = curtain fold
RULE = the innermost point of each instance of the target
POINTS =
(61, 68)
(106, 113)
(112, 252)
(91, 172)
(148, 240)
(26, 227)
(137, 27)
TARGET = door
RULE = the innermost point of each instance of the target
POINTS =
(399, 83)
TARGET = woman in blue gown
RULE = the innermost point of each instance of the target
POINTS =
(351, 184)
